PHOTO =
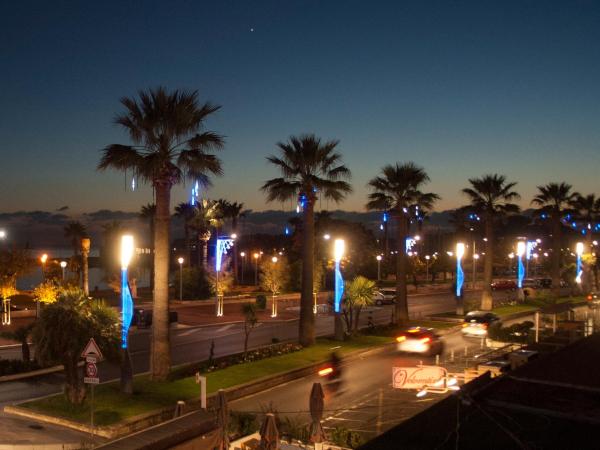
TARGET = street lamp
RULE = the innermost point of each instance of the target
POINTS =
(475, 258)
(427, 258)
(339, 247)
(43, 260)
(460, 279)
(256, 256)
(378, 257)
(521, 249)
(579, 271)
(2, 235)
(243, 255)
(63, 265)
(326, 236)
(274, 300)
(180, 261)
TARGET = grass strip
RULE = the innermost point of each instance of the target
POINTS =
(110, 406)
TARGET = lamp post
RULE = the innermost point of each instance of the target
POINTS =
(378, 257)
(579, 270)
(521, 249)
(127, 248)
(460, 279)
(63, 265)
(274, 298)
(338, 253)
(85, 252)
(243, 255)
(475, 258)
(256, 256)
(180, 261)
(43, 260)
(427, 258)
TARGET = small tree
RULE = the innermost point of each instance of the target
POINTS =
(359, 293)
(64, 328)
(46, 292)
(274, 276)
(250, 321)
(20, 335)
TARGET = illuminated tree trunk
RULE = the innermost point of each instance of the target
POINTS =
(85, 252)
(487, 302)
(306, 329)
(160, 359)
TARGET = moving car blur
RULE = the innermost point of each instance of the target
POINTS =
(420, 340)
(477, 323)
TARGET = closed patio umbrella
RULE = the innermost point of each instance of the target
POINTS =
(316, 406)
(222, 420)
(269, 436)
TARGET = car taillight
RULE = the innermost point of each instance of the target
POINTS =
(325, 371)
(401, 338)
(425, 340)
(465, 325)
(484, 325)
(589, 297)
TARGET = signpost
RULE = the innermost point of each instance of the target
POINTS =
(92, 355)
(202, 382)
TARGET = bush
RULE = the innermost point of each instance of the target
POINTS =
(196, 285)
(261, 301)
(518, 332)
(343, 437)
(242, 424)
(14, 366)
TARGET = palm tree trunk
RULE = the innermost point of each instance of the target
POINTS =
(306, 329)
(556, 243)
(487, 302)
(401, 263)
(186, 238)
(160, 359)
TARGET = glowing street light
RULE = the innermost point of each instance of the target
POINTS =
(427, 258)
(180, 261)
(475, 258)
(43, 260)
(2, 235)
(256, 256)
(339, 247)
(274, 300)
(579, 271)
(326, 236)
(378, 258)
(63, 265)
(126, 299)
(243, 255)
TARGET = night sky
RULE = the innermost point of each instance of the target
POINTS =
(461, 88)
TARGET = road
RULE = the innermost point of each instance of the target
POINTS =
(367, 402)
(188, 344)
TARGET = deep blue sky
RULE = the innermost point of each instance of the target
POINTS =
(462, 88)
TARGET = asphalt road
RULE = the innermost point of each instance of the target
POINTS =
(188, 344)
(366, 402)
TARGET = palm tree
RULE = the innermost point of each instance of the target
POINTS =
(169, 146)
(359, 293)
(491, 197)
(586, 209)
(75, 231)
(233, 212)
(309, 167)
(207, 215)
(185, 211)
(398, 189)
(147, 213)
(553, 200)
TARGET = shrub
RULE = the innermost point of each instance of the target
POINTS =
(196, 285)
(261, 301)
(343, 437)
(242, 424)
(518, 332)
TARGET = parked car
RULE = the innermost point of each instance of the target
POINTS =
(385, 297)
(592, 300)
(504, 285)
(530, 283)
(477, 323)
(420, 340)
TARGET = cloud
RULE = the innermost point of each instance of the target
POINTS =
(106, 214)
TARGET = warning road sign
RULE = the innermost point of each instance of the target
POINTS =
(92, 349)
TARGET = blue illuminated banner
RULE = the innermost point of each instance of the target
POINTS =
(339, 287)
(126, 308)
(222, 246)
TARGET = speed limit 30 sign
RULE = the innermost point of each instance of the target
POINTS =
(91, 373)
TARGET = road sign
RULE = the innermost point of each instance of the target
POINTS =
(92, 349)
(417, 377)
(91, 370)
(91, 359)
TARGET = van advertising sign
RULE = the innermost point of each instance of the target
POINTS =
(417, 377)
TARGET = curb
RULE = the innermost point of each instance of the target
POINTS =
(143, 421)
